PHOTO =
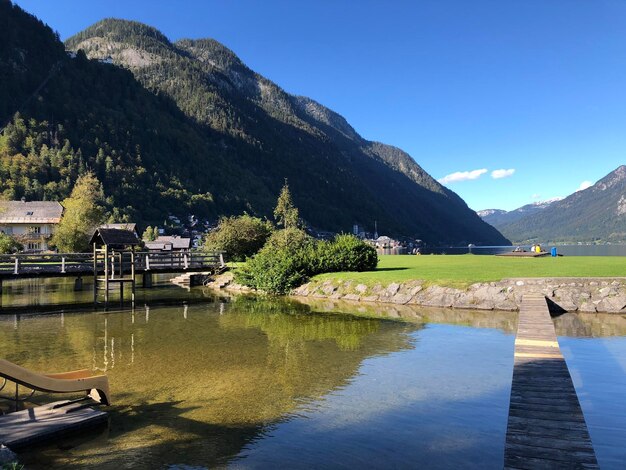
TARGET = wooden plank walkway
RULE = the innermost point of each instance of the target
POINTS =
(546, 428)
(43, 423)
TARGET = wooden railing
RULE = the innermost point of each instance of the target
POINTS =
(83, 263)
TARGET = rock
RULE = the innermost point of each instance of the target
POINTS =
(611, 304)
(7, 456)
(370, 298)
(463, 300)
(415, 290)
(587, 307)
(354, 297)
(483, 305)
(392, 289)
(401, 299)
(336, 296)
(567, 305)
(361, 288)
(606, 291)
(519, 283)
(506, 305)
(328, 289)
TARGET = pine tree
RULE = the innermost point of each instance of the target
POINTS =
(286, 214)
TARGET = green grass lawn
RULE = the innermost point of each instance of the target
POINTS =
(463, 270)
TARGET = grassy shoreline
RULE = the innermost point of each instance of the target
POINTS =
(463, 270)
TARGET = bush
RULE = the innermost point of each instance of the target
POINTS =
(348, 253)
(240, 237)
(281, 264)
(9, 245)
(290, 257)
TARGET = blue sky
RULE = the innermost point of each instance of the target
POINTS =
(533, 88)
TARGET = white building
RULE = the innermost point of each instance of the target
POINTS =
(30, 223)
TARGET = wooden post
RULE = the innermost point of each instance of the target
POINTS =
(185, 261)
(63, 264)
(16, 270)
(132, 275)
(221, 260)
(106, 275)
(147, 262)
(95, 274)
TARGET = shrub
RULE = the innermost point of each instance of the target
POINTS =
(348, 253)
(240, 237)
(290, 257)
(281, 264)
(9, 245)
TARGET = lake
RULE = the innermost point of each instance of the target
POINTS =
(565, 250)
(257, 383)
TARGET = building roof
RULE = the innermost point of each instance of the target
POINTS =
(178, 243)
(159, 246)
(32, 212)
(123, 226)
(114, 237)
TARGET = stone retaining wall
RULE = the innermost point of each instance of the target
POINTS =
(567, 294)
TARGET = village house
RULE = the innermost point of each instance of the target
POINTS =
(168, 244)
(31, 223)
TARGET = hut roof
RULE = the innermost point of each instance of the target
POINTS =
(122, 226)
(114, 237)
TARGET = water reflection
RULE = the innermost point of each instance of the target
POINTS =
(505, 321)
(260, 382)
(191, 384)
(47, 294)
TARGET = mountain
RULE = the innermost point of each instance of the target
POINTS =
(498, 217)
(187, 127)
(596, 214)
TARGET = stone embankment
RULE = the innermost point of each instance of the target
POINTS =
(589, 295)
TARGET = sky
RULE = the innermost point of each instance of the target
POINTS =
(505, 102)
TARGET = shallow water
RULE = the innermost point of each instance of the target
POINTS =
(254, 383)
(271, 383)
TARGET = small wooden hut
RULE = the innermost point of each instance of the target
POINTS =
(113, 249)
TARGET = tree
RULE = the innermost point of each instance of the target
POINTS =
(83, 213)
(9, 245)
(285, 213)
(239, 236)
(150, 234)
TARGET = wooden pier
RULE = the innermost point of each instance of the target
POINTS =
(107, 267)
(43, 423)
(546, 428)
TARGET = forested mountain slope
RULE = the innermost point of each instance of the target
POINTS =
(186, 127)
(596, 214)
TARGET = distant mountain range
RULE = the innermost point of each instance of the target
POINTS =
(596, 214)
(499, 217)
(187, 128)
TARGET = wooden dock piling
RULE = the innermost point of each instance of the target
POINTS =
(546, 427)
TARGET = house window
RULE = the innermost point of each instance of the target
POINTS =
(34, 246)
(36, 230)
(29, 213)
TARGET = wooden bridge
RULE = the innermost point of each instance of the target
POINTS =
(546, 427)
(106, 267)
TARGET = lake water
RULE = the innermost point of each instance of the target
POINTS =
(254, 383)
(566, 250)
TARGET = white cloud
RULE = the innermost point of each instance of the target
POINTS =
(497, 174)
(584, 185)
(462, 176)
